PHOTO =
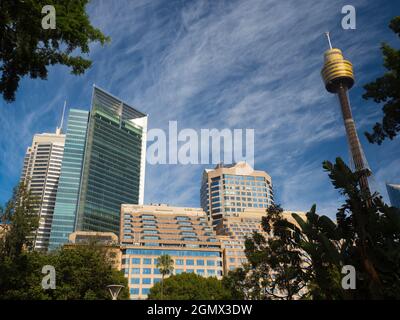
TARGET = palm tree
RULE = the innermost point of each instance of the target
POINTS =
(166, 265)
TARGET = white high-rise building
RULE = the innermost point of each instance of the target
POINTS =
(41, 172)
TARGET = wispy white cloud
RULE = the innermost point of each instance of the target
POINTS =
(225, 64)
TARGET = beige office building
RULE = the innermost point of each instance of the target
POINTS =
(231, 189)
(148, 231)
(234, 230)
(107, 241)
(41, 172)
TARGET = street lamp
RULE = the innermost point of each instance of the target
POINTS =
(114, 290)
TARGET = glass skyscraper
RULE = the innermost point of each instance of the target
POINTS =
(104, 167)
(394, 194)
(113, 168)
(70, 179)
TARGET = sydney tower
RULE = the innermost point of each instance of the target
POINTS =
(338, 77)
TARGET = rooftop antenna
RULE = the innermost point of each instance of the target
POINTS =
(58, 130)
(329, 39)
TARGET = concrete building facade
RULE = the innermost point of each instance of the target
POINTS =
(107, 241)
(41, 173)
(149, 231)
(230, 189)
(235, 228)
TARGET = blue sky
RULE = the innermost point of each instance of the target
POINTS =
(223, 64)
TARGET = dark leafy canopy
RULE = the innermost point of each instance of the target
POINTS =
(81, 273)
(190, 286)
(20, 212)
(370, 234)
(305, 259)
(275, 264)
(386, 89)
(28, 49)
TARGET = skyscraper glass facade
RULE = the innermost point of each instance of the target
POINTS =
(103, 167)
(68, 189)
(394, 194)
(113, 163)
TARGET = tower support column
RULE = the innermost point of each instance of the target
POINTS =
(351, 132)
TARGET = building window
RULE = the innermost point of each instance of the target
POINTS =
(190, 270)
(135, 270)
(178, 271)
(147, 216)
(135, 280)
(134, 291)
(179, 262)
(210, 262)
(200, 262)
(146, 261)
(190, 262)
(156, 271)
(146, 271)
(182, 218)
(146, 281)
(186, 233)
(145, 291)
(150, 231)
(151, 237)
(211, 272)
(189, 239)
(156, 280)
(186, 228)
(200, 271)
(135, 260)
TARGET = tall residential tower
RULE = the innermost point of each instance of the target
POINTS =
(41, 172)
(229, 189)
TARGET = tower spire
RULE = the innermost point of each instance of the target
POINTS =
(327, 34)
(338, 77)
(58, 130)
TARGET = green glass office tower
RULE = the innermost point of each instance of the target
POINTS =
(113, 169)
(70, 178)
(105, 168)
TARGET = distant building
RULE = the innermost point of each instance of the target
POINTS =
(41, 173)
(235, 228)
(104, 240)
(148, 231)
(103, 167)
(394, 194)
(230, 189)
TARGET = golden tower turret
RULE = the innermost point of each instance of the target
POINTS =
(337, 71)
(338, 77)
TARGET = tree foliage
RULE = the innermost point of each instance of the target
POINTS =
(166, 266)
(82, 272)
(28, 49)
(305, 259)
(386, 89)
(190, 286)
(20, 214)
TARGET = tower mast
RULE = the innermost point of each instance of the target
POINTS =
(337, 74)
